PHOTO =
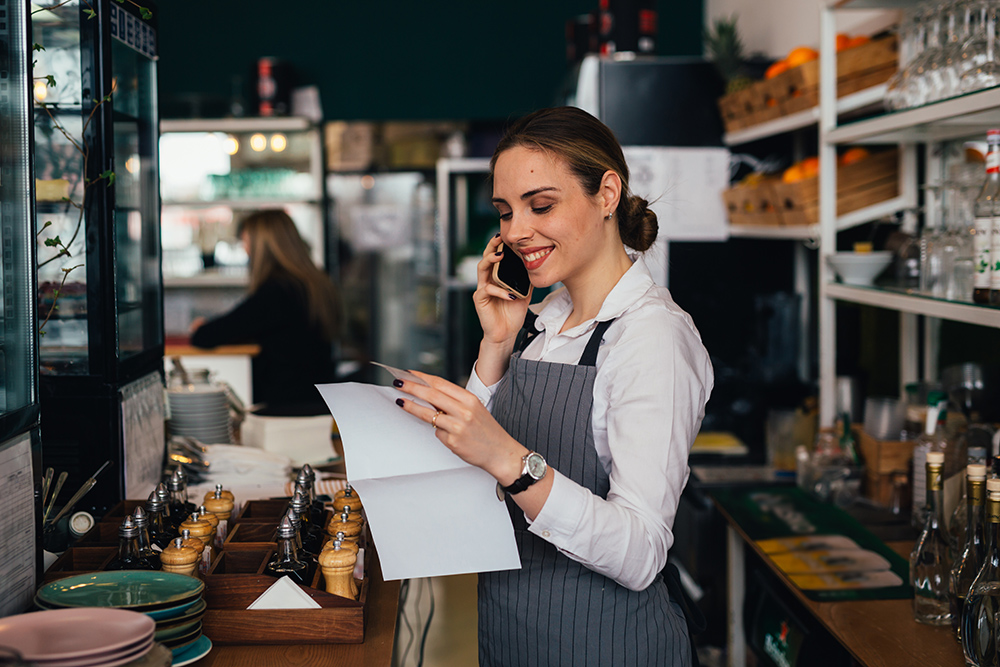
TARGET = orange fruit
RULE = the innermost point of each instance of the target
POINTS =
(801, 55)
(858, 41)
(775, 69)
(810, 167)
(843, 40)
(793, 174)
(852, 155)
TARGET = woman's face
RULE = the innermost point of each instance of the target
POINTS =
(546, 217)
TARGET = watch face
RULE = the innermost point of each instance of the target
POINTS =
(536, 465)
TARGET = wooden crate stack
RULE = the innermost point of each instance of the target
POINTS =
(753, 204)
(797, 89)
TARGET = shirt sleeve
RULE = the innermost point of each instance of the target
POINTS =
(481, 391)
(657, 379)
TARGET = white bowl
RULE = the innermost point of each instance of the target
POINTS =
(859, 268)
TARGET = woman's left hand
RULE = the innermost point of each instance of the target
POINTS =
(464, 425)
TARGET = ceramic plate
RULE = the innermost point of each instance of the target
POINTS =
(195, 651)
(176, 611)
(178, 645)
(188, 614)
(63, 634)
(182, 638)
(141, 590)
(177, 631)
(102, 660)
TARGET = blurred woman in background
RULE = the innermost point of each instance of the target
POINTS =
(291, 312)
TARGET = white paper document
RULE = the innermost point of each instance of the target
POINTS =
(429, 512)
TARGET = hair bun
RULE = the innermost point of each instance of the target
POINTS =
(638, 226)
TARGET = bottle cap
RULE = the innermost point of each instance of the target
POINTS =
(153, 503)
(993, 134)
(293, 517)
(128, 528)
(310, 473)
(286, 528)
(176, 482)
(162, 493)
(935, 458)
(976, 471)
(299, 503)
(140, 517)
(993, 485)
(300, 487)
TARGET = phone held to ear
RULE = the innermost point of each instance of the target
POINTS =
(510, 274)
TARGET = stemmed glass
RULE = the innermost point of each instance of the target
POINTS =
(985, 71)
(959, 30)
(895, 96)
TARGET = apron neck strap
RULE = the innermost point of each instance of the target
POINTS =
(589, 357)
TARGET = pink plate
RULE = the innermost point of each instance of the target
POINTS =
(103, 659)
(67, 634)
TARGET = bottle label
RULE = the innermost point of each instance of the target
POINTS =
(993, 510)
(933, 478)
(993, 162)
(981, 246)
(975, 491)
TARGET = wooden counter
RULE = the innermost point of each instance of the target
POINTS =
(877, 633)
(187, 350)
(374, 651)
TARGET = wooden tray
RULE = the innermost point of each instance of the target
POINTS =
(883, 459)
(269, 511)
(80, 560)
(236, 579)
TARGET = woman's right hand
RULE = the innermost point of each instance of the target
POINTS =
(500, 313)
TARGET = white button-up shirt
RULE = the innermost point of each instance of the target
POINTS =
(654, 378)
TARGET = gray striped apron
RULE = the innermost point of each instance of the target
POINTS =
(555, 611)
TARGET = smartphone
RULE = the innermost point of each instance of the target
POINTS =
(510, 274)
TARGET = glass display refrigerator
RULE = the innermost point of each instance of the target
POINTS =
(100, 290)
(19, 450)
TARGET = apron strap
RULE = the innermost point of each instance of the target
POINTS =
(589, 357)
(527, 332)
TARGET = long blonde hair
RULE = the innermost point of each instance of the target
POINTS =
(276, 249)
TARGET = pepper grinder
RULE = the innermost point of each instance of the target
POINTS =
(204, 556)
(213, 518)
(341, 543)
(345, 524)
(338, 571)
(219, 504)
(180, 558)
(349, 499)
(198, 527)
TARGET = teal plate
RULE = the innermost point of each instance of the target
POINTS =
(192, 652)
(188, 612)
(139, 590)
(172, 613)
(189, 636)
(177, 631)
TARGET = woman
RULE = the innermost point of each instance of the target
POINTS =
(587, 426)
(291, 312)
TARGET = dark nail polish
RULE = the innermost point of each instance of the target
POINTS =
(498, 253)
(511, 296)
(497, 235)
(397, 383)
(399, 402)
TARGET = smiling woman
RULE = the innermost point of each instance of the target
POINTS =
(584, 410)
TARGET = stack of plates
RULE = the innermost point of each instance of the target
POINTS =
(79, 637)
(200, 411)
(171, 602)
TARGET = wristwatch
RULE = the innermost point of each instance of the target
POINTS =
(533, 469)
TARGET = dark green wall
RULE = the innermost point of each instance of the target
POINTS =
(394, 59)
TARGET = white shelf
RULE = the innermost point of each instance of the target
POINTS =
(916, 304)
(957, 118)
(871, 4)
(870, 98)
(263, 124)
(807, 232)
(241, 279)
(241, 203)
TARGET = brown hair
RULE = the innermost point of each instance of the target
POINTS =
(590, 149)
(277, 250)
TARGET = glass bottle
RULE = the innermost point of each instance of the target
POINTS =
(307, 477)
(984, 209)
(932, 439)
(171, 520)
(287, 560)
(970, 558)
(159, 534)
(982, 605)
(146, 550)
(312, 535)
(959, 518)
(129, 557)
(930, 560)
(178, 494)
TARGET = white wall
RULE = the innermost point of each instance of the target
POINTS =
(775, 27)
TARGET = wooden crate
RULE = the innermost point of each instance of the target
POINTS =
(236, 579)
(259, 511)
(883, 460)
(80, 560)
(863, 183)
(798, 88)
(752, 205)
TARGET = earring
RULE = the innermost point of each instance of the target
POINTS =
(609, 216)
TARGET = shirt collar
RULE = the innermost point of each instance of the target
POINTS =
(629, 289)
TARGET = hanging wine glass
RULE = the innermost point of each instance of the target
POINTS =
(959, 29)
(985, 71)
(921, 87)
(895, 97)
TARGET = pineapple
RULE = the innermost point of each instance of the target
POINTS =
(725, 50)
